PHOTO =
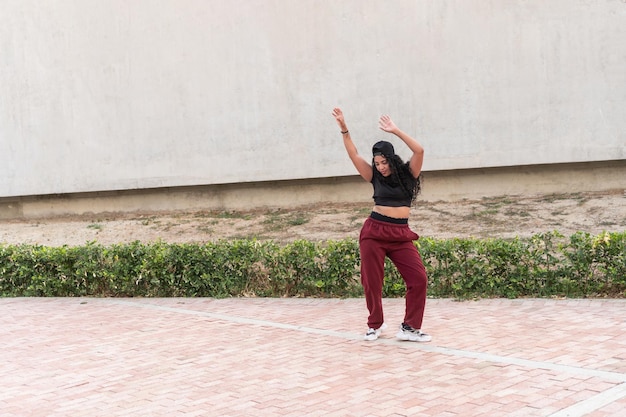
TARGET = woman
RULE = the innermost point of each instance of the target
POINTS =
(386, 231)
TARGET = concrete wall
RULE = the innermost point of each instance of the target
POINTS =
(438, 185)
(100, 95)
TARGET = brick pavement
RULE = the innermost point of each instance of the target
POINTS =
(297, 357)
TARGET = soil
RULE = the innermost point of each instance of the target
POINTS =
(506, 216)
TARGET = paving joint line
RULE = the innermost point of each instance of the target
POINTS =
(487, 357)
(594, 403)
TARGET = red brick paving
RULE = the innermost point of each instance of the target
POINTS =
(295, 357)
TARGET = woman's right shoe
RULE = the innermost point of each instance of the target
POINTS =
(372, 334)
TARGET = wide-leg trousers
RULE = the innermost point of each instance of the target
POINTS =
(379, 239)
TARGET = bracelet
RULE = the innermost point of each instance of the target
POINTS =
(343, 133)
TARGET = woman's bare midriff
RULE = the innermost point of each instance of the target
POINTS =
(395, 212)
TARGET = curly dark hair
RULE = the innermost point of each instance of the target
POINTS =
(401, 175)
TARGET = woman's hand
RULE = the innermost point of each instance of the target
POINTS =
(385, 123)
(415, 164)
(338, 115)
(362, 166)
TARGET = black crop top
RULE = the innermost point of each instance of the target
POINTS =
(389, 194)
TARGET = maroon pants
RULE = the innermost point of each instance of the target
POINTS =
(377, 240)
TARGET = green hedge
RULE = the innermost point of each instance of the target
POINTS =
(545, 265)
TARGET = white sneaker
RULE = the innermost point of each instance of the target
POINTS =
(407, 333)
(372, 334)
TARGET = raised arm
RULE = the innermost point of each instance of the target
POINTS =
(362, 166)
(417, 159)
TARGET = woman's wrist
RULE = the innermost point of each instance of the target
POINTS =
(396, 132)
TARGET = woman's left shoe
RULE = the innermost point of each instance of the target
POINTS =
(407, 333)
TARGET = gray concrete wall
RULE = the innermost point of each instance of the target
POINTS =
(102, 95)
(438, 185)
